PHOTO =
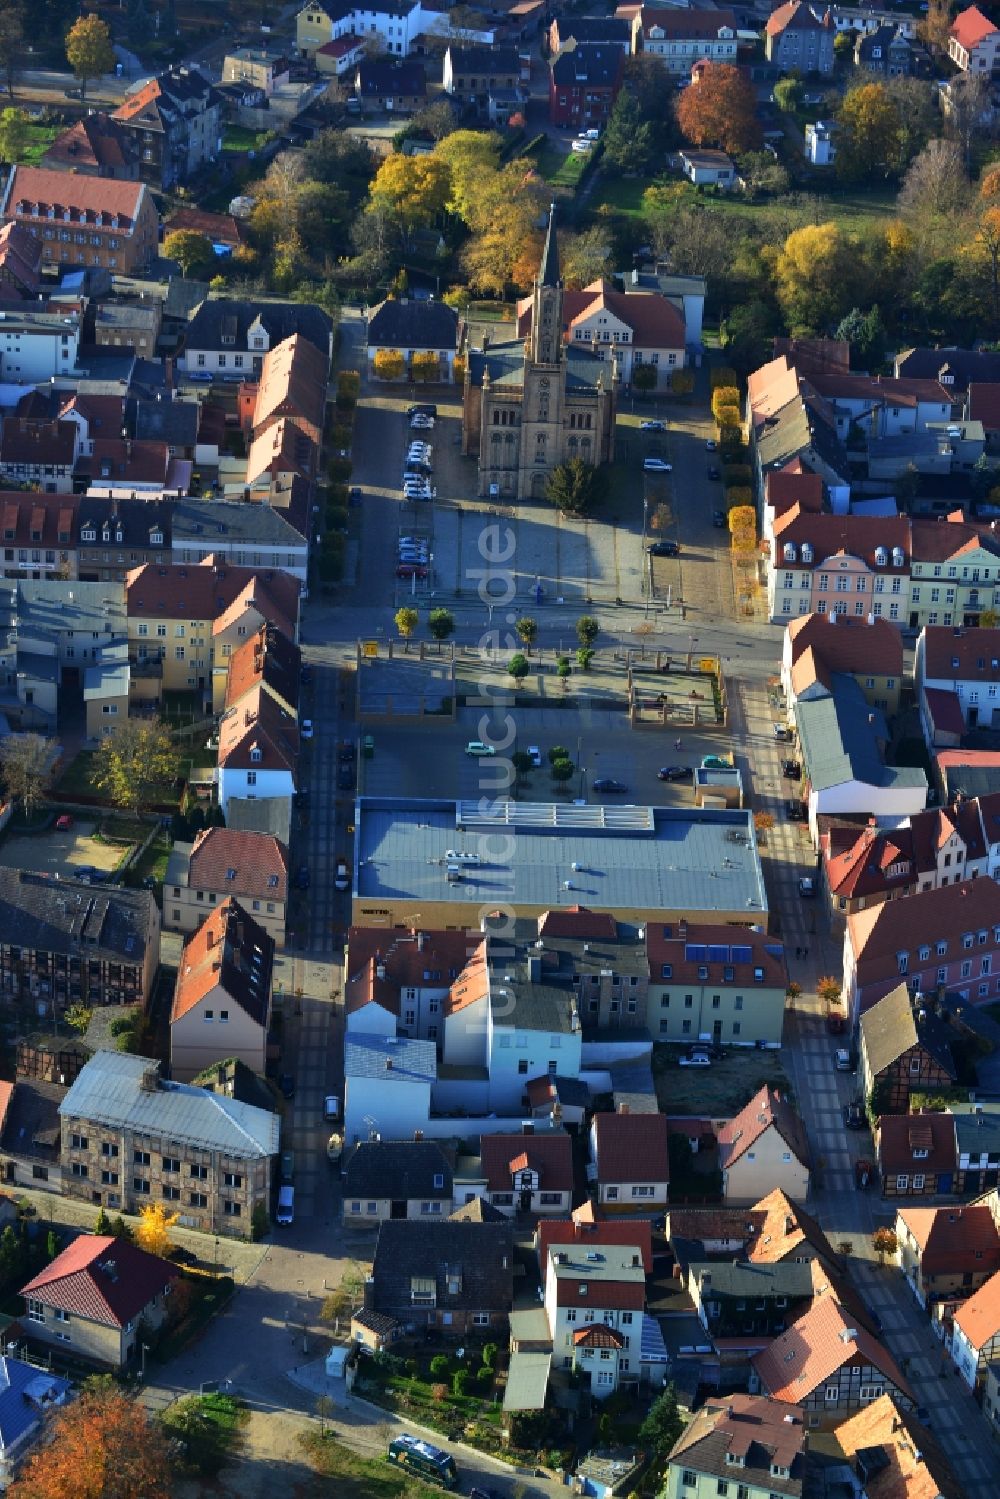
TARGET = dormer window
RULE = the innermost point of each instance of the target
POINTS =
(255, 754)
(88, 534)
(230, 874)
(156, 538)
(735, 1459)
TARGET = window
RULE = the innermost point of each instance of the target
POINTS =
(140, 1157)
(231, 1209)
(198, 1199)
(36, 1311)
(107, 1149)
(902, 1181)
(109, 1178)
(78, 1142)
(140, 1186)
(689, 1480)
(171, 1163)
(918, 1182)
(198, 1173)
(231, 1179)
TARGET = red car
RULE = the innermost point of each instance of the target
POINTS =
(410, 570)
(64, 823)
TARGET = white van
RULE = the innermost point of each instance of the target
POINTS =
(286, 1205)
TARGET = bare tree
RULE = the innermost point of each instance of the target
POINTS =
(936, 182)
(969, 111)
(28, 763)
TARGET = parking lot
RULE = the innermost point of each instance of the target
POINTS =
(431, 761)
(51, 852)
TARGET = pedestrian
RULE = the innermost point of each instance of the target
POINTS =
(677, 744)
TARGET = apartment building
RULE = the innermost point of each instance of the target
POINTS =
(594, 1302)
(871, 653)
(680, 38)
(958, 669)
(84, 221)
(222, 998)
(949, 936)
(974, 42)
(38, 535)
(715, 983)
(799, 38)
(175, 123)
(130, 1138)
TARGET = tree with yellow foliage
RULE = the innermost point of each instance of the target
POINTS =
(869, 137)
(815, 272)
(472, 158)
(153, 1230)
(723, 396)
(389, 364)
(414, 188)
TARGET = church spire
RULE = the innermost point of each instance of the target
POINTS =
(548, 272)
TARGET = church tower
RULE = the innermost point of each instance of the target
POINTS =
(546, 312)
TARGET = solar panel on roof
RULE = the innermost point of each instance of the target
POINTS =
(741, 954)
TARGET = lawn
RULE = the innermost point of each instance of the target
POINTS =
(235, 138)
(361, 1477)
(75, 783)
(719, 1091)
(561, 168)
(855, 212)
(40, 138)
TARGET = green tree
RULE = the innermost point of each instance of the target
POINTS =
(406, 621)
(88, 50)
(460, 1382)
(865, 332)
(587, 629)
(522, 763)
(15, 133)
(644, 377)
(664, 1423)
(28, 763)
(584, 657)
(526, 629)
(189, 249)
(139, 24)
(518, 666)
(789, 95)
(562, 770)
(576, 487)
(102, 1224)
(490, 1352)
(629, 140)
(869, 138)
(441, 624)
(440, 1367)
(134, 762)
(558, 752)
(51, 1244)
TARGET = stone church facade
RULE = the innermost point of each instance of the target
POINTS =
(532, 404)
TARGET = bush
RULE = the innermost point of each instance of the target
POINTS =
(556, 753)
(121, 1024)
(737, 473)
(740, 495)
(412, 1368)
(485, 1376)
(349, 383)
(518, 666)
(563, 667)
(460, 1382)
(722, 396)
(337, 495)
(682, 382)
(728, 416)
(440, 1366)
(723, 375)
(335, 518)
(340, 436)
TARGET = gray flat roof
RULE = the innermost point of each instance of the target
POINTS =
(610, 857)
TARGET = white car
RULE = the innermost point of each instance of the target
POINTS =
(589, 135)
(331, 1107)
(698, 1059)
(534, 754)
(657, 466)
(583, 147)
(419, 449)
(420, 423)
(306, 729)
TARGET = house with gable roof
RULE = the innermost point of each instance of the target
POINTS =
(816, 645)
(764, 1146)
(954, 667)
(231, 339)
(974, 42)
(456, 1276)
(175, 122)
(118, 220)
(762, 1445)
(631, 1164)
(528, 1172)
(827, 1365)
(258, 750)
(222, 862)
(916, 1154)
(797, 37)
(947, 1251)
(895, 1456)
(222, 997)
(904, 1047)
(680, 37)
(93, 1299)
(397, 1179)
(643, 327)
(594, 1300)
(975, 1335)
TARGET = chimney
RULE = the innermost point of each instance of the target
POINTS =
(421, 941)
(623, 1108)
(635, 1260)
(535, 969)
(789, 1223)
(418, 1135)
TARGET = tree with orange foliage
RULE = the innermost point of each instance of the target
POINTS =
(720, 110)
(103, 1447)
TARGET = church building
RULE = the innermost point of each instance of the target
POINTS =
(531, 404)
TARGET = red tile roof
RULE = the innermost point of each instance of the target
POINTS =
(851, 645)
(914, 1466)
(292, 381)
(230, 950)
(970, 27)
(945, 711)
(578, 922)
(637, 1232)
(269, 659)
(850, 535)
(961, 655)
(550, 1155)
(258, 735)
(84, 197)
(97, 142)
(598, 1335)
(655, 322)
(20, 256)
(258, 861)
(899, 1135)
(784, 488)
(794, 14)
(784, 1231)
(953, 1240)
(220, 228)
(206, 591)
(979, 1317)
(941, 541)
(101, 1279)
(631, 1148)
(926, 917)
(984, 403)
(691, 25)
(406, 958)
(816, 1347)
(863, 866)
(667, 944)
(768, 1108)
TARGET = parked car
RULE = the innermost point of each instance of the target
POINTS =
(342, 875)
(477, 749)
(331, 1107)
(781, 731)
(795, 811)
(534, 754)
(423, 408)
(842, 1061)
(675, 773)
(302, 877)
(710, 445)
(719, 519)
(664, 549)
(715, 762)
(791, 770)
(608, 783)
(696, 1059)
(582, 147)
(854, 1115)
(306, 728)
(354, 495)
(713, 472)
(420, 423)
(651, 426)
(411, 570)
(345, 777)
(657, 466)
(286, 1083)
(64, 823)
